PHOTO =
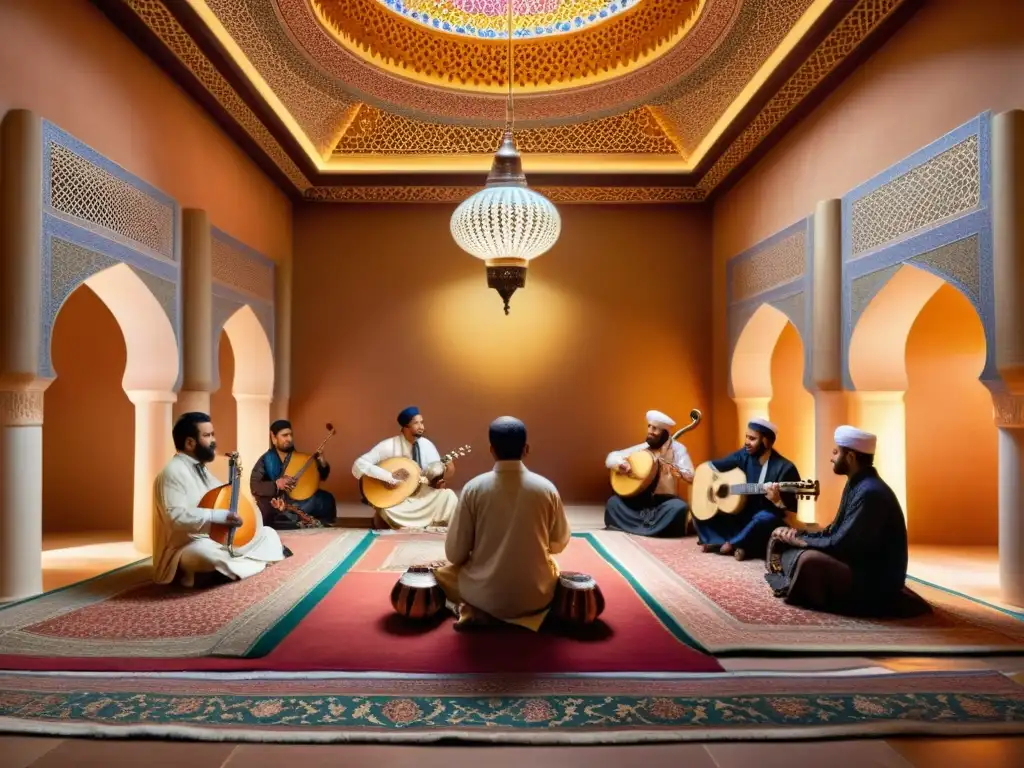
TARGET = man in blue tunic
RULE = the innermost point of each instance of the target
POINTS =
(269, 481)
(858, 563)
(746, 533)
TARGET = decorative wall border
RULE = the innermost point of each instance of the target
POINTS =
(792, 298)
(884, 260)
(228, 299)
(103, 241)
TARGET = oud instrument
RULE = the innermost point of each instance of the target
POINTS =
(381, 496)
(306, 483)
(727, 492)
(229, 497)
(645, 466)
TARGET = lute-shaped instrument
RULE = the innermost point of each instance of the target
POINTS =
(727, 492)
(382, 496)
(306, 485)
(646, 465)
(229, 497)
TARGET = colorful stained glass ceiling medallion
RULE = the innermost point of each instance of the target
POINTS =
(488, 19)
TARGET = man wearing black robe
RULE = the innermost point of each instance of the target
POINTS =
(858, 563)
(745, 534)
(268, 481)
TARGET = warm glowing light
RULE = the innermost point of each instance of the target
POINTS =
(884, 414)
(508, 355)
(506, 223)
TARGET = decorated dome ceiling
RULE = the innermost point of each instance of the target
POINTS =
(405, 100)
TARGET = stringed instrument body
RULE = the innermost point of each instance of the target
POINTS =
(381, 496)
(717, 492)
(306, 474)
(645, 466)
(230, 497)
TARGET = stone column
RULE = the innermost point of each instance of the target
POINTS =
(251, 431)
(21, 389)
(197, 313)
(153, 449)
(282, 339)
(1008, 256)
(830, 402)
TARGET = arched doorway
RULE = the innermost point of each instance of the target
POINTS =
(246, 374)
(915, 358)
(107, 427)
(768, 380)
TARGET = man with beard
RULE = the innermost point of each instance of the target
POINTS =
(431, 505)
(745, 534)
(658, 511)
(181, 540)
(858, 563)
(268, 481)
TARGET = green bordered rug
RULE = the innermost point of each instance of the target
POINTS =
(582, 709)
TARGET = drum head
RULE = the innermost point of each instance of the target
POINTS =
(575, 580)
(418, 579)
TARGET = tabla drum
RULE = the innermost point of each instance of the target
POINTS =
(417, 595)
(578, 598)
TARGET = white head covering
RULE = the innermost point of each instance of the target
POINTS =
(855, 439)
(761, 424)
(659, 419)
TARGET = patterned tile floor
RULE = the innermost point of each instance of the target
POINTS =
(972, 571)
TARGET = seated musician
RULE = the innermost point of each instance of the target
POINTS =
(509, 523)
(268, 481)
(745, 534)
(858, 563)
(433, 503)
(181, 542)
(657, 511)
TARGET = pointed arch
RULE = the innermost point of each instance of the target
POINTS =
(750, 370)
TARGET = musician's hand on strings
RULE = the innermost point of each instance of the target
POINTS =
(283, 483)
(771, 492)
(233, 518)
(624, 468)
(320, 459)
(277, 503)
(789, 536)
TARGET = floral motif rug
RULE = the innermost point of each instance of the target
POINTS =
(123, 614)
(726, 607)
(566, 709)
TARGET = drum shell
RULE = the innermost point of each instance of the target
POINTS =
(417, 595)
(577, 606)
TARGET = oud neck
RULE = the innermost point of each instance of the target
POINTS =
(235, 482)
(758, 489)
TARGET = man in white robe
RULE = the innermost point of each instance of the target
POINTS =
(432, 504)
(658, 511)
(181, 541)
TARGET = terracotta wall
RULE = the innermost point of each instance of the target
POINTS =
(388, 312)
(791, 408)
(65, 61)
(948, 64)
(949, 414)
(224, 412)
(89, 431)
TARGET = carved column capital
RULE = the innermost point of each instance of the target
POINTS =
(21, 401)
(1008, 410)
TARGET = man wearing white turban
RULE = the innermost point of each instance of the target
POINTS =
(659, 511)
(858, 564)
(745, 534)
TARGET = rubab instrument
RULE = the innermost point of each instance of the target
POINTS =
(727, 492)
(645, 465)
(306, 483)
(230, 497)
(381, 496)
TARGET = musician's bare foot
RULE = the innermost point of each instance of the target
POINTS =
(727, 549)
(739, 554)
(470, 617)
(709, 547)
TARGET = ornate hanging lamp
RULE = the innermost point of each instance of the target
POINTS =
(506, 224)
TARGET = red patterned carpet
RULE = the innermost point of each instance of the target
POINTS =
(352, 627)
(727, 607)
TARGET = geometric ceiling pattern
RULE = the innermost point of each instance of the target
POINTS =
(405, 100)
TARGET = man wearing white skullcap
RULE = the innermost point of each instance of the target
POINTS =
(745, 534)
(858, 564)
(659, 511)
